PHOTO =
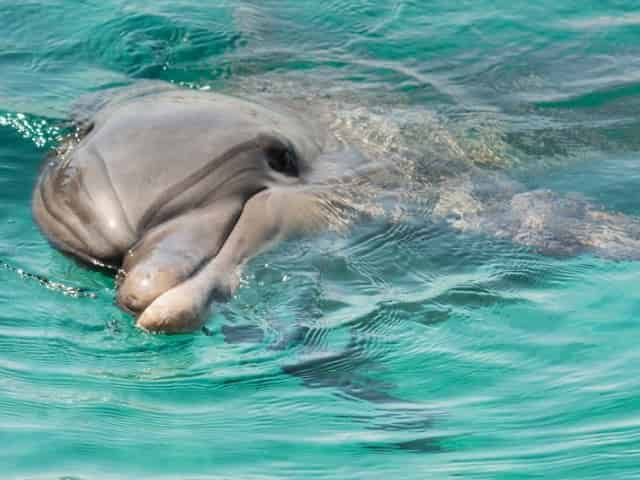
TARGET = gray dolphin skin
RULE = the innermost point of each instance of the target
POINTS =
(180, 188)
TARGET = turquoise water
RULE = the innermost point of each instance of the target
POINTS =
(400, 351)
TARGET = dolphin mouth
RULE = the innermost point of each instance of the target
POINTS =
(164, 206)
(174, 251)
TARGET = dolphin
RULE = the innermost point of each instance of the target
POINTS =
(178, 189)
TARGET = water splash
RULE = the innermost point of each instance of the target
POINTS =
(38, 130)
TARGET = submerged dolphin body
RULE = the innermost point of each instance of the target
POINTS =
(180, 188)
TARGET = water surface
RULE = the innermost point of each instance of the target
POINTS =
(401, 351)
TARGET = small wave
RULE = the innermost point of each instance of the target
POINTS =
(603, 22)
(48, 283)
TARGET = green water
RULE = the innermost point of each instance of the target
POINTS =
(400, 351)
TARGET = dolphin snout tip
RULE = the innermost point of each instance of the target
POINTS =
(172, 313)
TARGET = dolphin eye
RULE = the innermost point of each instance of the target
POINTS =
(282, 159)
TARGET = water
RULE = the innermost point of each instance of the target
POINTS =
(400, 351)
